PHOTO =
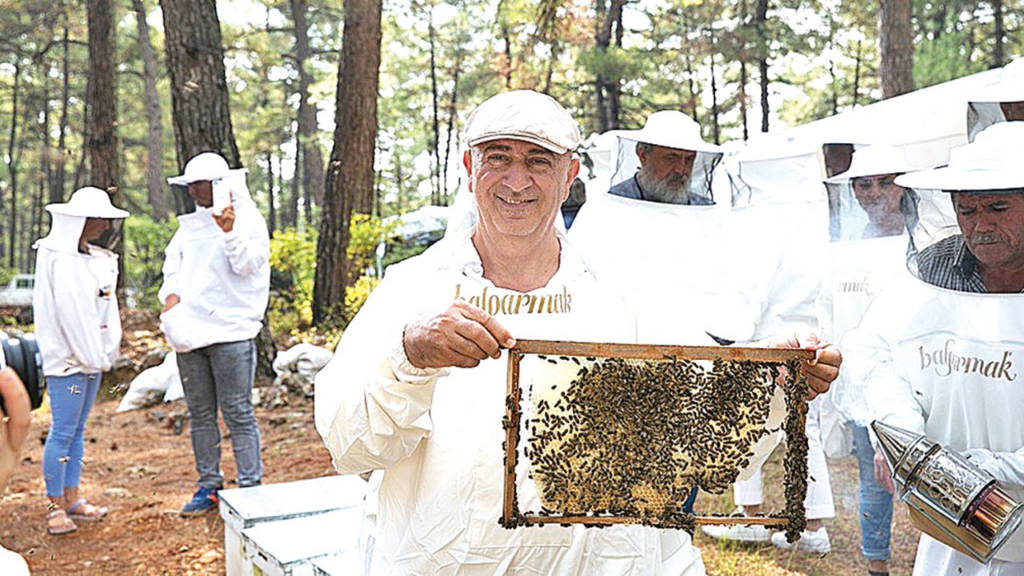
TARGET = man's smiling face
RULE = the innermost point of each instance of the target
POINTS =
(519, 186)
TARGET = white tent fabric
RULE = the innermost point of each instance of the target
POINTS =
(926, 123)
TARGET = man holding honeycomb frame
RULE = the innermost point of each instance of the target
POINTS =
(417, 384)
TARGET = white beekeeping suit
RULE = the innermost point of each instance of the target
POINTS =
(676, 264)
(222, 278)
(938, 354)
(864, 260)
(75, 302)
(438, 433)
(779, 216)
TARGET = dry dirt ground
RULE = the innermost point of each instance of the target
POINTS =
(143, 471)
(139, 468)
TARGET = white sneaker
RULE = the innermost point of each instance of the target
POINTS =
(737, 532)
(815, 542)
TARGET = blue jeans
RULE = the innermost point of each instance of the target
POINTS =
(222, 375)
(875, 502)
(71, 400)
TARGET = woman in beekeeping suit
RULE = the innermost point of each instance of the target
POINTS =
(869, 246)
(79, 332)
(938, 350)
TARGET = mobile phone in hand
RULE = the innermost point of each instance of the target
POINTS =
(221, 197)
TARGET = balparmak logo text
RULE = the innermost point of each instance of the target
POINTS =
(946, 361)
(509, 303)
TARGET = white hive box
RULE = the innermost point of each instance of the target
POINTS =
(244, 508)
(343, 565)
(289, 547)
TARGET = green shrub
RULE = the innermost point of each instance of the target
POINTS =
(292, 269)
(145, 241)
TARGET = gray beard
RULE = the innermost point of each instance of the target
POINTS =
(670, 191)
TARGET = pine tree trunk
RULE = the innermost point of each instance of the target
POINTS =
(452, 111)
(435, 172)
(57, 190)
(102, 97)
(271, 209)
(998, 56)
(199, 92)
(154, 125)
(350, 178)
(714, 92)
(856, 76)
(312, 159)
(47, 181)
(608, 90)
(12, 170)
(743, 99)
(895, 44)
(762, 59)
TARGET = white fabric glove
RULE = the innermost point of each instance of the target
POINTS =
(1007, 467)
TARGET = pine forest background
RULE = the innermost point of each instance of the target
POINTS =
(94, 92)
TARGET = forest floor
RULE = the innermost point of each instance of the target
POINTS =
(143, 470)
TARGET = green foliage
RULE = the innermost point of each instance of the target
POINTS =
(948, 55)
(366, 233)
(145, 241)
(356, 295)
(613, 63)
(6, 275)
(292, 269)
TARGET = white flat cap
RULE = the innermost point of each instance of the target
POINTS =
(523, 115)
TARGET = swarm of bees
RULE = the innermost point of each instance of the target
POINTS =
(631, 438)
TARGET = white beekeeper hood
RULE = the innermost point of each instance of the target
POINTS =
(213, 167)
(671, 129)
(994, 161)
(206, 166)
(873, 160)
(69, 218)
(88, 202)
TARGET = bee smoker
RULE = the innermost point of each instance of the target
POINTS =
(950, 498)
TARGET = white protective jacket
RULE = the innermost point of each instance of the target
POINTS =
(676, 264)
(947, 364)
(859, 271)
(438, 433)
(75, 302)
(222, 278)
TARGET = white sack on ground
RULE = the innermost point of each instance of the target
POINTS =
(160, 383)
(300, 363)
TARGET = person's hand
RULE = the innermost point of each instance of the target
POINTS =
(462, 335)
(172, 301)
(882, 473)
(823, 368)
(226, 220)
(13, 424)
